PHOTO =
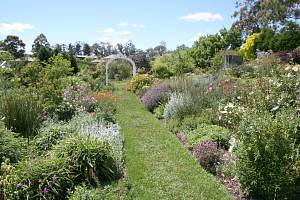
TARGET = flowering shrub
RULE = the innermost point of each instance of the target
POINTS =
(208, 155)
(248, 49)
(178, 104)
(268, 154)
(106, 106)
(155, 96)
(111, 135)
(138, 82)
(230, 115)
(80, 96)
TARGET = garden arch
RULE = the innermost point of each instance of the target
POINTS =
(111, 58)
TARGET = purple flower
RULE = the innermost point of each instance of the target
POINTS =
(156, 95)
(45, 190)
(181, 137)
(208, 155)
(19, 186)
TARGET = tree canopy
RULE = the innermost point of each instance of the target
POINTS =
(14, 45)
(254, 15)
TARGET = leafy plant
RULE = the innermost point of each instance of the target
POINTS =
(12, 147)
(268, 154)
(74, 161)
(178, 105)
(204, 132)
(22, 113)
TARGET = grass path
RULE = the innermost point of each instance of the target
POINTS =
(158, 167)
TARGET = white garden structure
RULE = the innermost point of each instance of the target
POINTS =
(111, 58)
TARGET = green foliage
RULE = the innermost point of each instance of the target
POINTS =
(14, 45)
(74, 161)
(192, 122)
(176, 63)
(206, 47)
(22, 113)
(114, 191)
(119, 70)
(288, 38)
(65, 111)
(161, 70)
(52, 81)
(30, 74)
(159, 111)
(6, 56)
(12, 147)
(205, 132)
(105, 107)
(252, 15)
(39, 42)
(268, 154)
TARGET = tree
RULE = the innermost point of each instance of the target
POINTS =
(161, 48)
(87, 50)
(39, 42)
(129, 48)
(71, 49)
(141, 61)
(120, 48)
(44, 53)
(78, 48)
(254, 15)
(205, 49)
(14, 45)
(288, 38)
(232, 38)
(150, 53)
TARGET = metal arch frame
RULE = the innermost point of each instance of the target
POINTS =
(119, 57)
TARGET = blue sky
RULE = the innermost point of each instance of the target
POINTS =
(146, 23)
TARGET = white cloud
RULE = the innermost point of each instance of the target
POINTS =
(202, 16)
(16, 27)
(111, 32)
(113, 41)
(197, 36)
(126, 24)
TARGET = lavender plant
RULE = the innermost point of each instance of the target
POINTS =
(155, 96)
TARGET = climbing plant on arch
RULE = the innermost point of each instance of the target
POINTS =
(111, 58)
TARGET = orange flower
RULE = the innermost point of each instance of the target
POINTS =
(105, 96)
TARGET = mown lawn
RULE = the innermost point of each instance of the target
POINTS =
(158, 167)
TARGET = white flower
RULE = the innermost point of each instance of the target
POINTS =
(275, 108)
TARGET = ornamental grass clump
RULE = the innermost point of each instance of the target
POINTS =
(155, 96)
(21, 112)
(208, 155)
